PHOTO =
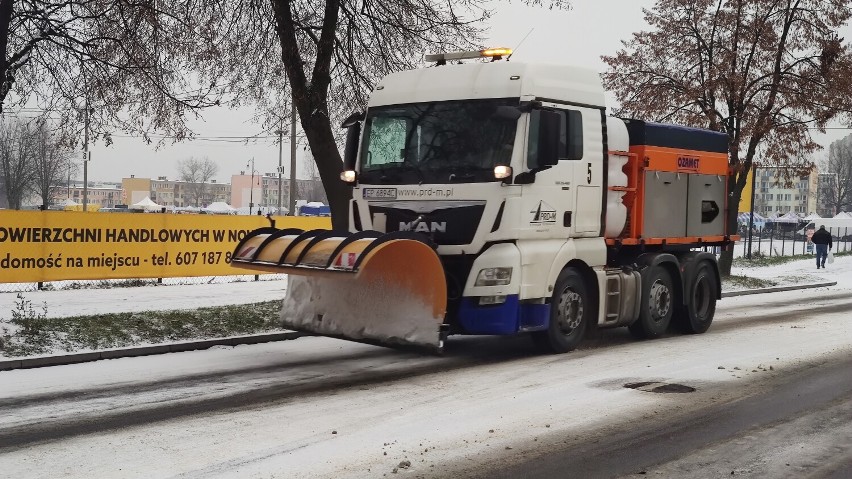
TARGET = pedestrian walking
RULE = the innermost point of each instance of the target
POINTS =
(822, 240)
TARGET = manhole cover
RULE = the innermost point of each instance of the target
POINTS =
(658, 387)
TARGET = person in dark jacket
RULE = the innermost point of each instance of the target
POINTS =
(822, 240)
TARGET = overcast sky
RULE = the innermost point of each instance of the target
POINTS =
(579, 37)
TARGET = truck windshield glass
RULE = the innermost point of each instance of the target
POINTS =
(446, 142)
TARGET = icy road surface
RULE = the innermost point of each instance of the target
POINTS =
(324, 408)
(318, 407)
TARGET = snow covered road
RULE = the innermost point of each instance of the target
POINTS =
(319, 407)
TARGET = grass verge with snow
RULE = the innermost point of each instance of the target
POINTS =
(32, 332)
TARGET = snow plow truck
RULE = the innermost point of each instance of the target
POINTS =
(498, 198)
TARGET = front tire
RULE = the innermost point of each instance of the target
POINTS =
(655, 313)
(697, 315)
(570, 309)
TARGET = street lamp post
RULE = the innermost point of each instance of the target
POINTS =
(292, 192)
(251, 187)
(280, 165)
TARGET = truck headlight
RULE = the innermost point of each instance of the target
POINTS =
(494, 276)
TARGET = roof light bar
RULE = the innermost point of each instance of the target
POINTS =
(494, 53)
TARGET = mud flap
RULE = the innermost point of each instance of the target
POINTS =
(368, 287)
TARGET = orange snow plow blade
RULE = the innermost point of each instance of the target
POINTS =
(368, 287)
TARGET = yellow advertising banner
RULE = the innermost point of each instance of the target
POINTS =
(37, 246)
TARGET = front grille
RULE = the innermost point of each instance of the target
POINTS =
(447, 226)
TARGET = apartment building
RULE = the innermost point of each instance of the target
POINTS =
(173, 193)
(262, 190)
(102, 194)
(776, 195)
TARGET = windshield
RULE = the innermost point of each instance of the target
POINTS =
(446, 142)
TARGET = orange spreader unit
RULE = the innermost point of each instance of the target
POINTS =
(677, 185)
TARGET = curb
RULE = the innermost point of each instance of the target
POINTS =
(74, 358)
(776, 289)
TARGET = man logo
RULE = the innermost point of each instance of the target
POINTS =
(424, 227)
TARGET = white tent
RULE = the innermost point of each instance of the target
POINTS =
(187, 209)
(220, 208)
(839, 226)
(264, 210)
(147, 205)
(843, 215)
(812, 217)
(787, 218)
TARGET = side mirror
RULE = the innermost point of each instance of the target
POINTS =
(350, 152)
(355, 117)
(548, 138)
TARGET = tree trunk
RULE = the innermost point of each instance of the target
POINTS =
(329, 165)
(726, 259)
(6, 11)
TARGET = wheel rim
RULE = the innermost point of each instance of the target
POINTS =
(569, 313)
(701, 298)
(661, 300)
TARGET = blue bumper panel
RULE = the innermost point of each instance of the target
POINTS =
(534, 317)
(507, 318)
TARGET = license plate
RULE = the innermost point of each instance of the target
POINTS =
(380, 193)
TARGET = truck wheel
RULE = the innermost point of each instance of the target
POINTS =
(696, 316)
(655, 312)
(569, 314)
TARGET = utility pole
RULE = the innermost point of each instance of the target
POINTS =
(86, 156)
(293, 157)
(251, 189)
(280, 164)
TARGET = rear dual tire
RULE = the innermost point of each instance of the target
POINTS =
(696, 316)
(657, 304)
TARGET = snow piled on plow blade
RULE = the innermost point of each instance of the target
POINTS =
(360, 311)
(397, 297)
(383, 289)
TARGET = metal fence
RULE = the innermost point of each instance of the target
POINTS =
(779, 242)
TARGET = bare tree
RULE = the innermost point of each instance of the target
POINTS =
(762, 71)
(51, 162)
(126, 60)
(311, 189)
(325, 56)
(16, 161)
(838, 193)
(142, 66)
(196, 174)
